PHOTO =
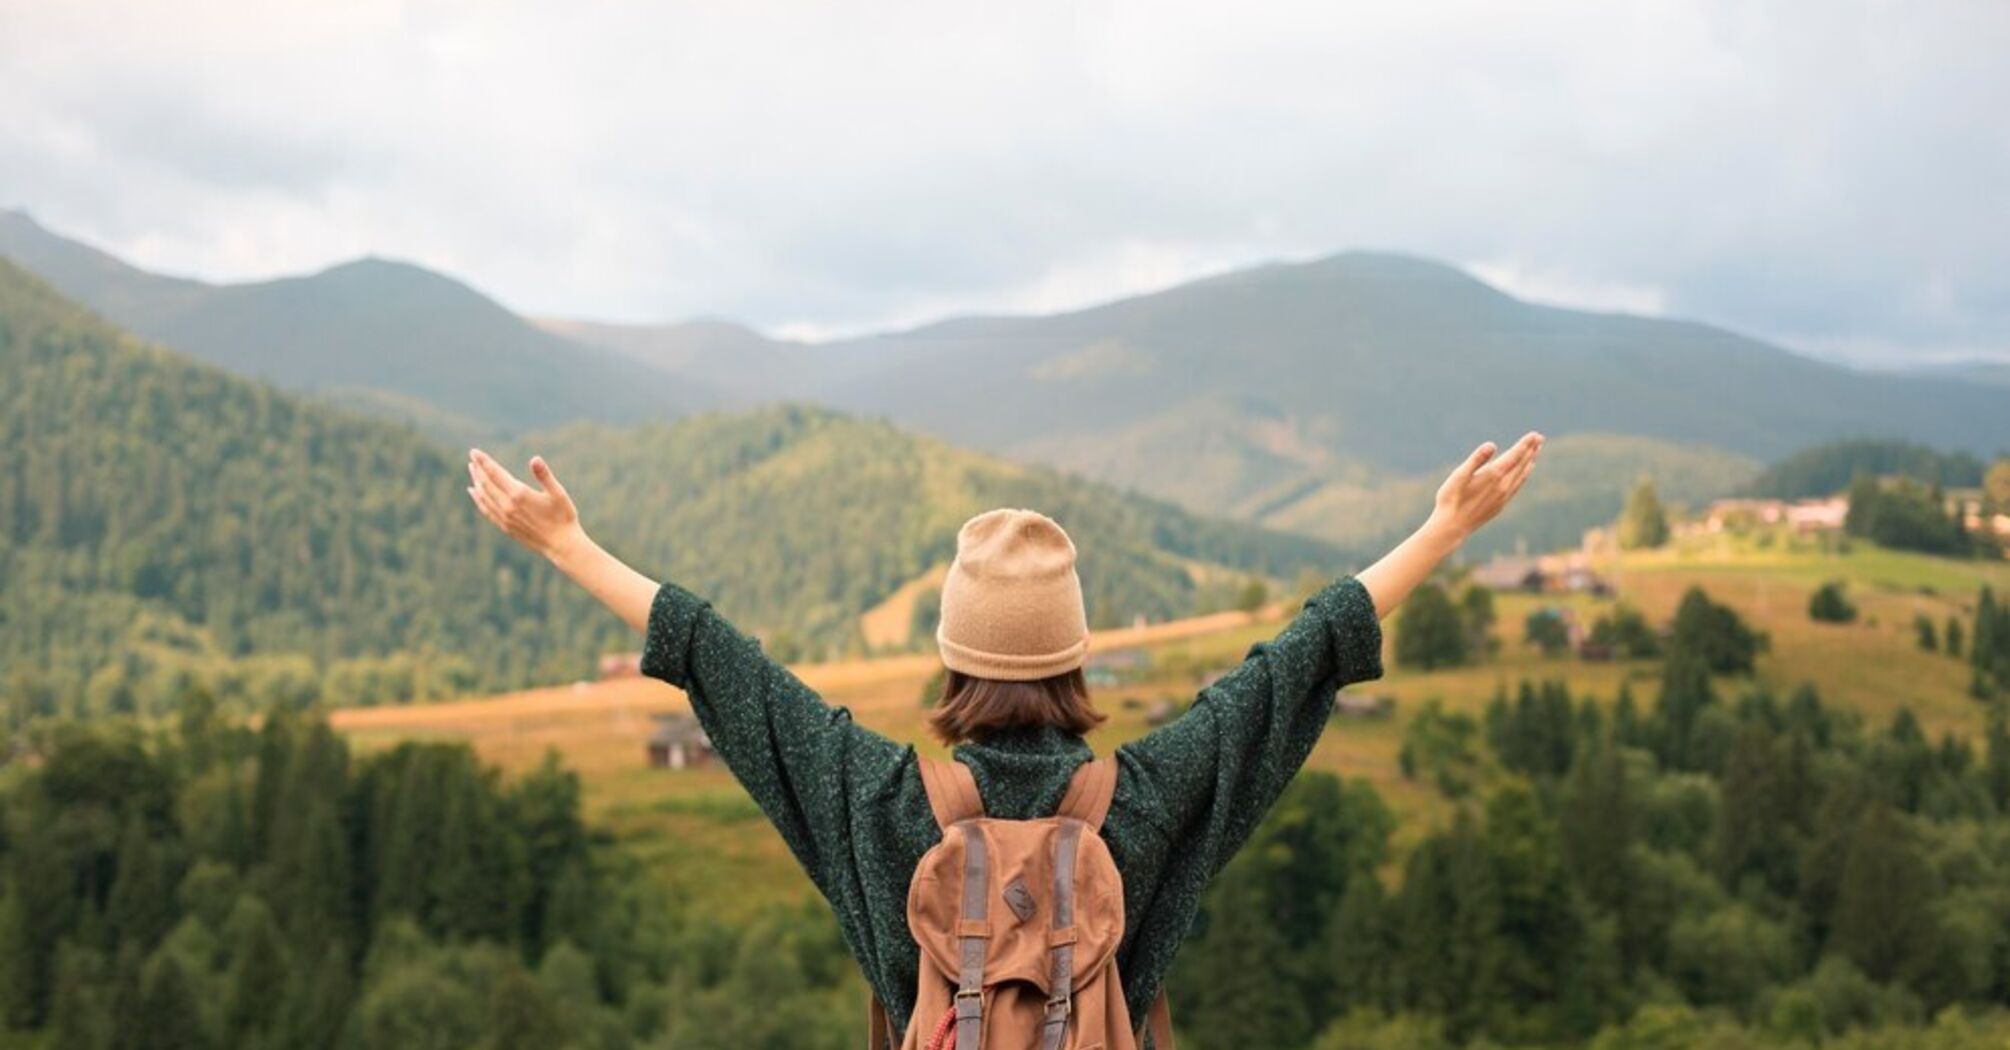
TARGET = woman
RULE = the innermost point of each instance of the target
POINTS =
(851, 804)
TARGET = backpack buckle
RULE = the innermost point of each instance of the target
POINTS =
(1061, 1005)
(968, 1002)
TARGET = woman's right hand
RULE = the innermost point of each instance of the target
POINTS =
(545, 521)
(1483, 485)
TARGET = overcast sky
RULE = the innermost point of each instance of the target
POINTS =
(1831, 175)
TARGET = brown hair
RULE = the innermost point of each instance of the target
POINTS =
(971, 707)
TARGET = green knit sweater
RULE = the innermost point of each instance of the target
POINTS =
(850, 804)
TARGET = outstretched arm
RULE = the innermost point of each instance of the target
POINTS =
(1211, 774)
(803, 761)
(547, 522)
(1469, 498)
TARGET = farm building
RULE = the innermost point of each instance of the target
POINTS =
(1510, 573)
(1807, 515)
(679, 742)
(1567, 572)
(620, 665)
(1363, 705)
(1110, 668)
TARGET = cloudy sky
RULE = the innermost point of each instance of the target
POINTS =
(1831, 175)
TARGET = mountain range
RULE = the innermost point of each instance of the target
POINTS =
(1324, 397)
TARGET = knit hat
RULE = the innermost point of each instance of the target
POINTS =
(1012, 604)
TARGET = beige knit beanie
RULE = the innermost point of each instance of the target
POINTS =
(1012, 604)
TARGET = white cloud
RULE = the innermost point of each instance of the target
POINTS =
(1811, 172)
(1558, 287)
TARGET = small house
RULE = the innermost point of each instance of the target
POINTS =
(1510, 573)
(1116, 666)
(1363, 705)
(620, 665)
(679, 742)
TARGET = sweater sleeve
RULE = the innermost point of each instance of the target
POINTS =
(1211, 774)
(796, 755)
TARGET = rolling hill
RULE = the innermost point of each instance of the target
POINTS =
(163, 518)
(388, 337)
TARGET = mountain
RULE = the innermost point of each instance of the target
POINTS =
(384, 336)
(1993, 371)
(734, 364)
(1280, 394)
(162, 518)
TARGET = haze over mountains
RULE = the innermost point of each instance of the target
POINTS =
(1322, 397)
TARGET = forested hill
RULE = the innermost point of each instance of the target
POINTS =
(820, 514)
(159, 512)
(162, 517)
(1827, 469)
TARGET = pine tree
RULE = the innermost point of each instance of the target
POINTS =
(258, 975)
(1883, 921)
(80, 1014)
(1996, 759)
(1755, 826)
(1922, 627)
(1685, 693)
(1627, 730)
(1362, 947)
(141, 906)
(318, 998)
(168, 1017)
(1643, 523)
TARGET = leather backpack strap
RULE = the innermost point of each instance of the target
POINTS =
(879, 1027)
(1089, 793)
(1158, 1022)
(952, 791)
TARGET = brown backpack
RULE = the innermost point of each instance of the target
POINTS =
(1018, 922)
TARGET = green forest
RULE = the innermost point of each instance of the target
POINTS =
(211, 885)
(163, 521)
(1725, 867)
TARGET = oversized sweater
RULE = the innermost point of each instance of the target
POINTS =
(850, 804)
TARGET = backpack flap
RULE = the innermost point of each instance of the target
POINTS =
(1024, 899)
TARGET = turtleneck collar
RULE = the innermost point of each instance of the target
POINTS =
(1023, 771)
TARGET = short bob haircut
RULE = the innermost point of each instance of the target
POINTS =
(973, 707)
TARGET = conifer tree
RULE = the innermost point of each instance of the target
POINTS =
(1883, 922)
(168, 1017)
(319, 992)
(1685, 693)
(258, 974)
(141, 906)
(1643, 524)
